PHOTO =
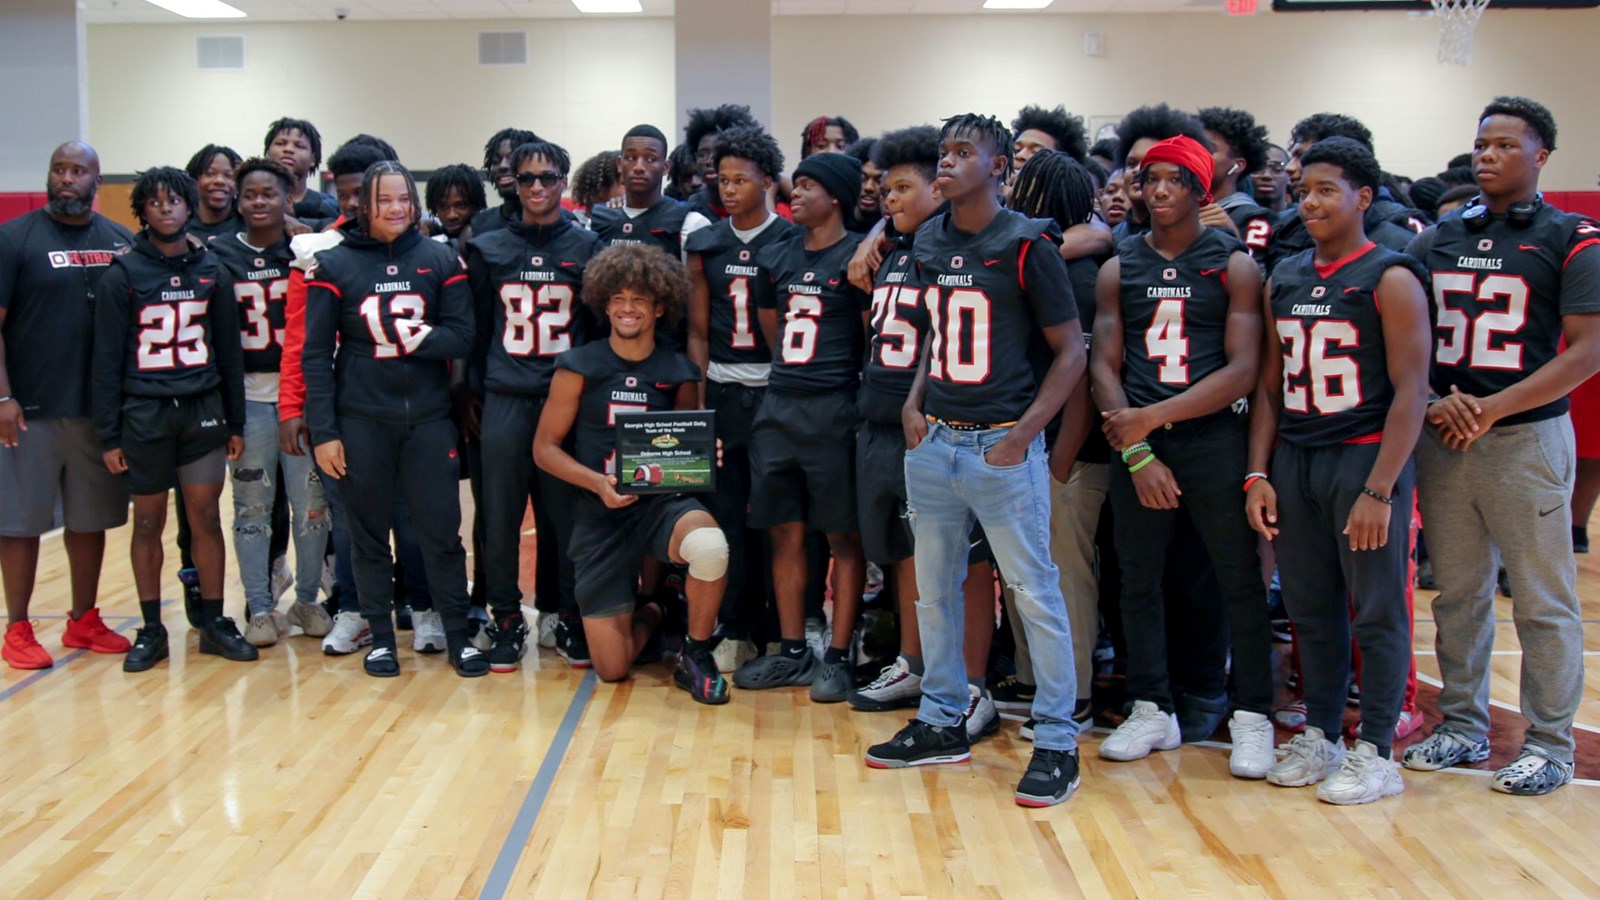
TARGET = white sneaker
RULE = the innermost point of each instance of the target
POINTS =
(262, 631)
(1252, 755)
(1147, 728)
(547, 630)
(427, 631)
(817, 637)
(730, 654)
(895, 687)
(350, 633)
(311, 618)
(282, 578)
(1309, 757)
(1363, 777)
(981, 716)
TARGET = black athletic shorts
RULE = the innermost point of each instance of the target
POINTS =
(803, 462)
(736, 406)
(609, 544)
(168, 441)
(881, 493)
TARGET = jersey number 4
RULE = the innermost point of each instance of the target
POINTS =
(1164, 342)
(170, 336)
(1466, 335)
(1309, 372)
(894, 339)
(537, 323)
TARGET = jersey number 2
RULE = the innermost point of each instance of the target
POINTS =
(1463, 336)
(1308, 349)
(170, 337)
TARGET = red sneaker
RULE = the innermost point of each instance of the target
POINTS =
(22, 649)
(89, 633)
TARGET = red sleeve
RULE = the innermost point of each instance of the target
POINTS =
(291, 382)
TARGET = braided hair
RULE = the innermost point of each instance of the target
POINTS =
(517, 137)
(201, 161)
(1053, 185)
(550, 153)
(595, 177)
(459, 177)
(150, 182)
(369, 191)
(989, 128)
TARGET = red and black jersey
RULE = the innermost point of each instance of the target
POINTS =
(259, 281)
(163, 328)
(1336, 385)
(398, 313)
(661, 225)
(732, 276)
(1254, 223)
(611, 385)
(1290, 237)
(527, 287)
(987, 294)
(820, 336)
(212, 233)
(1499, 295)
(1174, 315)
(899, 325)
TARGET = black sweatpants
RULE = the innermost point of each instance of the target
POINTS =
(1323, 579)
(746, 602)
(418, 461)
(1207, 458)
(510, 480)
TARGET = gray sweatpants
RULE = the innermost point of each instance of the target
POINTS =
(1512, 487)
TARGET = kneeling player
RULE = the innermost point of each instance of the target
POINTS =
(1344, 404)
(633, 286)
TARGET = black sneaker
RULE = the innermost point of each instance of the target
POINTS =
(571, 643)
(1026, 731)
(921, 744)
(1425, 579)
(508, 640)
(190, 579)
(149, 648)
(469, 661)
(1580, 539)
(697, 674)
(1352, 695)
(221, 637)
(381, 662)
(1012, 695)
(402, 617)
(1083, 712)
(1505, 584)
(1051, 778)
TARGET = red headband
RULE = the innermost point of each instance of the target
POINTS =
(1187, 153)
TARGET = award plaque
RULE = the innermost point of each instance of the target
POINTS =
(666, 452)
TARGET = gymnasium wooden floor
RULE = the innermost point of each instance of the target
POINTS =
(300, 777)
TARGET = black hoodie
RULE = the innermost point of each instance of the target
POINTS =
(162, 328)
(398, 313)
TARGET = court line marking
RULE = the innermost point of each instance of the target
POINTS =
(505, 863)
(1496, 652)
(1429, 679)
(61, 663)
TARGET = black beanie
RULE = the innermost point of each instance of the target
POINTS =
(839, 175)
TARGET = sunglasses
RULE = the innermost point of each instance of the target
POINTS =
(1276, 166)
(548, 179)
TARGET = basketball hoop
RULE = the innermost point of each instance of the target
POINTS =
(1458, 19)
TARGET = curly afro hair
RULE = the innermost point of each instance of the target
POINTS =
(151, 181)
(595, 178)
(861, 150)
(1246, 138)
(713, 121)
(1322, 126)
(916, 146)
(641, 268)
(1066, 129)
(752, 143)
(1351, 156)
(1157, 123)
(1532, 113)
(1106, 147)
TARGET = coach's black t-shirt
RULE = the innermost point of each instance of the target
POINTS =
(1499, 295)
(527, 287)
(899, 325)
(48, 276)
(820, 337)
(986, 295)
(259, 281)
(1174, 315)
(1336, 385)
(731, 269)
(611, 385)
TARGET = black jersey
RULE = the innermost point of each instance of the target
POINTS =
(1255, 225)
(1083, 273)
(1499, 295)
(986, 295)
(820, 337)
(899, 324)
(164, 327)
(1290, 237)
(259, 280)
(228, 227)
(1336, 385)
(398, 313)
(611, 385)
(708, 203)
(48, 276)
(1174, 315)
(527, 287)
(315, 206)
(661, 225)
(731, 270)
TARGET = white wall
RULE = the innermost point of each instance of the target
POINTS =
(41, 61)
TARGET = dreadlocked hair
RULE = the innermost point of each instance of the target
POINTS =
(714, 120)
(199, 162)
(1352, 157)
(369, 191)
(916, 146)
(309, 131)
(1156, 123)
(1186, 177)
(595, 178)
(817, 130)
(150, 182)
(1053, 185)
(459, 177)
(517, 137)
(357, 155)
(1322, 126)
(641, 268)
(261, 164)
(1532, 113)
(1246, 138)
(987, 127)
(550, 153)
(681, 170)
(1064, 128)
(752, 143)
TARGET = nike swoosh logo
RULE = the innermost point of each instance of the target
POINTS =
(1546, 512)
(1352, 290)
(568, 262)
(991, 262)
(664, 387)
(424, 271)
(1529, 247)
(833, 282)
(1207, 272)
(204, 280)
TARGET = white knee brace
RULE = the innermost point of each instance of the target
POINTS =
(706, 552)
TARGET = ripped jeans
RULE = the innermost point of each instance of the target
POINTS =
(949, 486)
(253, 492)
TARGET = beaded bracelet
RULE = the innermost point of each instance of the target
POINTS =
(1386, 501)
(1133, 448)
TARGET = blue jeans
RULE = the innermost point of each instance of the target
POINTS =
(949, 485)
(254, 492)
(344, 571)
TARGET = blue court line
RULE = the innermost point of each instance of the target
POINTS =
(522, 827)
(61, 663)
